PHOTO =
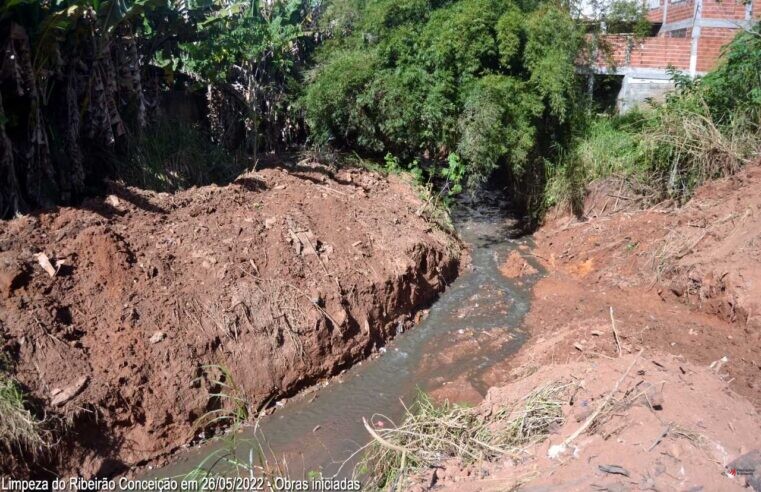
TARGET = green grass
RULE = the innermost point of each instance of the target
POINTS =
(661, 153)
(172, 155)
(19, 429)
(707, 128)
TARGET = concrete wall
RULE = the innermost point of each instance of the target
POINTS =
(691, 38)
(640, 86)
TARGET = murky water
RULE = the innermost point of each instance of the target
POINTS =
(473, 325)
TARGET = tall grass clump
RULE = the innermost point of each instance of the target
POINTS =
(20, 431)
(431, 433)
(172, 155)
(242, 460)
(706, 128)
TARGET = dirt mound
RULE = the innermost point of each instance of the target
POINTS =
(161, 301)
(685, 280)
(684, 284)
(515, 266)
(670, 425)
(705, 252)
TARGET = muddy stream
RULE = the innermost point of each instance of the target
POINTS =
(474, 324)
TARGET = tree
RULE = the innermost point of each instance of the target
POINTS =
(488, 80)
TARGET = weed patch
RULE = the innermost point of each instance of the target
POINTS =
(19, 429)
(431, 433)
(173, 155)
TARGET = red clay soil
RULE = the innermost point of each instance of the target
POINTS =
(282, 278)
(671, 426)
(684, 285)
(685, 281)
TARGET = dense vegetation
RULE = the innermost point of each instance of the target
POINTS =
(492, 81)
(452, 90)
(81, 80)
(706, 128)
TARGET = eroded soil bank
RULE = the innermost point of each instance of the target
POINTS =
(281, 278)
(684, 287)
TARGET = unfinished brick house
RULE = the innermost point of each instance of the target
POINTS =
(690, 36)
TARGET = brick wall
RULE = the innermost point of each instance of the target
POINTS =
(657, 52)
(656, 15)
(681, 11)
(725, 9)
(712, 9)
(666, 49)
(711, 41)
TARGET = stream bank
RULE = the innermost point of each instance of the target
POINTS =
(157, 303)
(650, 314)
(474, 325)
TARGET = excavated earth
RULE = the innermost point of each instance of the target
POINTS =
(159, 302)
(681, 284)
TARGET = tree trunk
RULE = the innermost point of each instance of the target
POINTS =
(10, 191)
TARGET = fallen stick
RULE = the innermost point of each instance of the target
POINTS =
(664, 432)
(382, 441)
(615, 332)
(558, 449)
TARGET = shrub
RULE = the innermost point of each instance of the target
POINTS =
(706, 128)
(421, 79)
(172, 155)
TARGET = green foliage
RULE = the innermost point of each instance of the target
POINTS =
(553, 41)
(454, 173)
(228, 400)
(498, 121)
(735, 86)
(509, 32)
(19, 429)
(627, 17)
(79, 90)
(331, 99)
(240, 34)
(423, 79)
(706, 128)
(172, 155)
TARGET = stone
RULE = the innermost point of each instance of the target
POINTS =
(157, 337)
(61, 397)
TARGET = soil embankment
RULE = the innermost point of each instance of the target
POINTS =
(259, 288)
(685, 281)
(684, 286)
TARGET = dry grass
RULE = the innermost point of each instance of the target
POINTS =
(19, 429)
(700, 150)
(431, 433)
(674, 246)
